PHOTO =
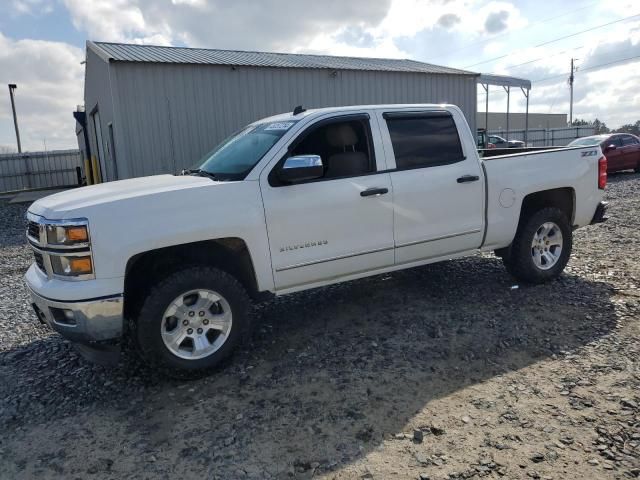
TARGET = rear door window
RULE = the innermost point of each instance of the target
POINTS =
(423, 139)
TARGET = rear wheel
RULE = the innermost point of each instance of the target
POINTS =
(541, 247)
(192, 319)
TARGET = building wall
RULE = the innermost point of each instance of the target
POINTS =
(171, 115)
(498, 120)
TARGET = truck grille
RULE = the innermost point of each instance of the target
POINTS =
(33, 230)
(39, 261)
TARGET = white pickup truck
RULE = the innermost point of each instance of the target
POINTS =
(293, 202)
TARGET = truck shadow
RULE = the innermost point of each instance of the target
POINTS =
(327, 375)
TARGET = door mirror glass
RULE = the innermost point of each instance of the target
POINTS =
(301, 168)
(608, 148)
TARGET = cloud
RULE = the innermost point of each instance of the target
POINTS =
(496, 22)
(448, 20)
(49, 78)
(605, 84)
(30, 7)
(243, 24)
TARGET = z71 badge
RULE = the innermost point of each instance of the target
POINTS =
(590, 153)
(288, 248)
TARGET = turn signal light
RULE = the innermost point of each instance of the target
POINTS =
(77, 234)
(602, 172)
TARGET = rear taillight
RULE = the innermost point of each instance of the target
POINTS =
(602, 172)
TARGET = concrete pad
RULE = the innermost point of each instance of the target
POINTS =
(32, 196)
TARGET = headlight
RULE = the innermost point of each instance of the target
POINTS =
(67, 235)
(71, 266)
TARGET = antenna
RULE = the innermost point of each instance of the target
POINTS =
(298, 110)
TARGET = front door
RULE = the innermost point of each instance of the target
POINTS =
(324, 229)
(438, 192)
(615, 156)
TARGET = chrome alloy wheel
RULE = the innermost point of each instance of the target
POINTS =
(546, 246)
(196, 324)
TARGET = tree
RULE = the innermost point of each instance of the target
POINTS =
(7, 149)
(579, 122)
(600, 127)
(633, 128)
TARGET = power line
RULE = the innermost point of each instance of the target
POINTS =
(542, 58)
(564, 75)
(538, 22)
(560, 53)
(556, 40)
(593, 67)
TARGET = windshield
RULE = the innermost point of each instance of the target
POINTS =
(587, 141)
(237, 155)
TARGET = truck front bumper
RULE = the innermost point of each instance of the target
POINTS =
(85, 322)
(600, 215)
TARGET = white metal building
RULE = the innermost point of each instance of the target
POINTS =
(152, 110)
(518, 120)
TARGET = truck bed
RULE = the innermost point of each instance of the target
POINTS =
(510, 178)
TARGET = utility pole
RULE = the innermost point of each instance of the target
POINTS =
(571, 76)
(12, 87)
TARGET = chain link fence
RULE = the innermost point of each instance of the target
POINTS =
(546, 137)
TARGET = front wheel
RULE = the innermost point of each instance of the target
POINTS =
(541, 247)
(192, 319)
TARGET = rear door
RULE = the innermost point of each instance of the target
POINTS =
(630, 151)
(438, 188)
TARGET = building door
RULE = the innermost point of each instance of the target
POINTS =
(97, 130)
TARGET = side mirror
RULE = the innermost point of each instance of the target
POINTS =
(608, 148)
(301, 168)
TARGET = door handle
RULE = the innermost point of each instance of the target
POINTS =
(374, 192)
(468, 178)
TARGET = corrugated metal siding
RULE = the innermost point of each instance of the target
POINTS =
(35, 170)
(157, 54)
(170, 115)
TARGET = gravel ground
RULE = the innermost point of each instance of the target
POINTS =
(439, 372)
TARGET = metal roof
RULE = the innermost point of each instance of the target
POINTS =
(504, 81)
(122, 52)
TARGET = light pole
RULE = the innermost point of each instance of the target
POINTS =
(12, 87)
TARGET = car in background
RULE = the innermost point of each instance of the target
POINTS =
(482, 141)
(500, 142)
(621, 149)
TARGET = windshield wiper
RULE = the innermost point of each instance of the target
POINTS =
(198, 171)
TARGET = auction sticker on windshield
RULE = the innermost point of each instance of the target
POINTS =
(279, 126)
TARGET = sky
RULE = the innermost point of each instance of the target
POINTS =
(42, 47)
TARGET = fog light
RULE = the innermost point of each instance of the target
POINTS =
(63, 316)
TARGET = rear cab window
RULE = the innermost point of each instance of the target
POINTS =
(423, 139)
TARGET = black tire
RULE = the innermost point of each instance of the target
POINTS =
(149, 322)
(518, 260)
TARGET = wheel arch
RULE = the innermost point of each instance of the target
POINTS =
(563, 198)
(230, 254)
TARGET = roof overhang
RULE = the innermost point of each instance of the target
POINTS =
(503, 81)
